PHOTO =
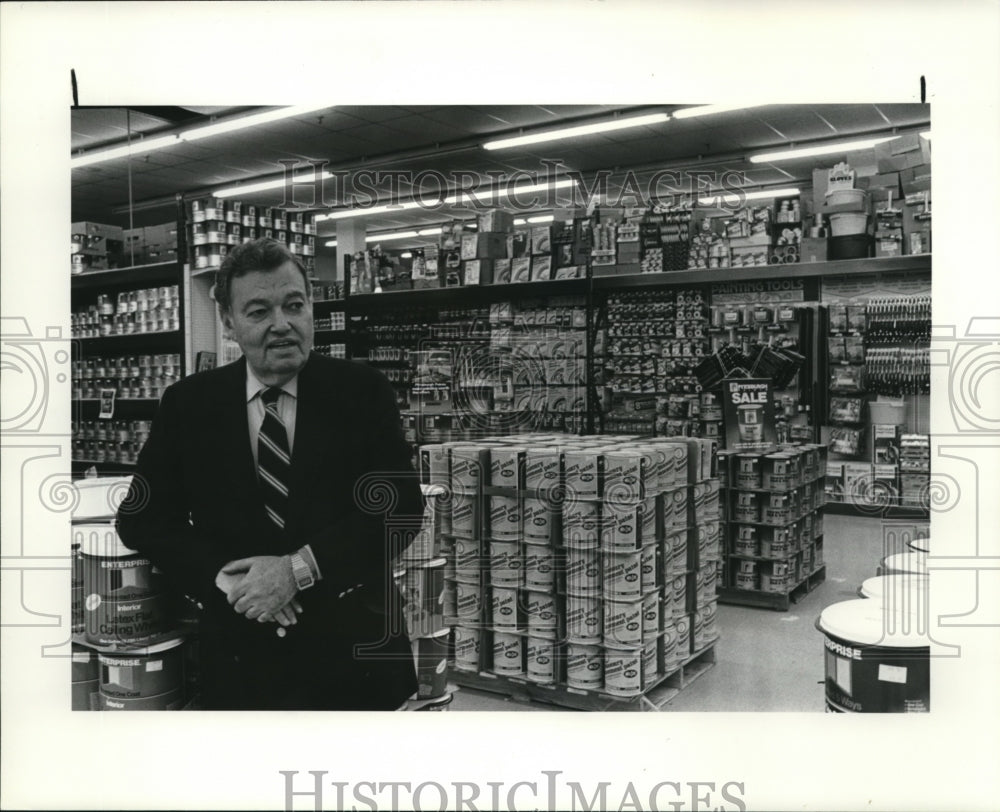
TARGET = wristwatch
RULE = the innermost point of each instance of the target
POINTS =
(301, 571)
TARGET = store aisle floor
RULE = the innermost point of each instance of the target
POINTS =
(765, 660)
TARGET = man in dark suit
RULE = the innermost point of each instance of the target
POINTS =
(275, 491)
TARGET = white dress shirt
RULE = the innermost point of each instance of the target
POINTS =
(287, 408)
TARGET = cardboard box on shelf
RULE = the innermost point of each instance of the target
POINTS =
(477, 272)
(916, 179)
(812, 249)
(518, 245)
(541, 240)
(496, 220)
(520, 269)
(484, 246)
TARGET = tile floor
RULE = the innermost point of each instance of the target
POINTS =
(765, 660)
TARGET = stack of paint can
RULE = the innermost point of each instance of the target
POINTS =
(420, 578)
(128, 647)
(583, 562)
(772, 503)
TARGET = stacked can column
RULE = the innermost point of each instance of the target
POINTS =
(772, 505)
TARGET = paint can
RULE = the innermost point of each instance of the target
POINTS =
(542, 467)
(647, 568)
(911, 563)
(583, 572)
(508, 654)
(469, 561)
(506, 466)
(504, 608)
(539, 567)
(651, 616)
(464, 515)
(506, 564)
(876, 659)
(431, 655)
(468, 603)
(542, 613)
(467, 642)
(584, 667)
(622, 575)
(581, 523)
(623, 671)
(150, 673)
(85, 678)
(466, 469)
(124, 602)
(541, 660)
(748, 471)
(623, 622)
(678, 594)
(584, 619)
(906, 593)
(505, 517)
(667, 649)
(582, 478)
(538, 520)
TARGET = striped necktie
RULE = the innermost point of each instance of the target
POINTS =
(273, 458)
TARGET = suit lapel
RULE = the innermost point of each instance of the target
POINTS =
(236, 429)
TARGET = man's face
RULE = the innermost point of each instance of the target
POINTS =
(270, 317)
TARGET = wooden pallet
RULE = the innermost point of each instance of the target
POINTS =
(773, 600)
(654, 698)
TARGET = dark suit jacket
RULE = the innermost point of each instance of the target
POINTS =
(195, 505)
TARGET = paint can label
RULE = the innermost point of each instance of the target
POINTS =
(622, 622)
(584, 619)
(508, 654)
(583, 572)
(584, 667)
(623, 672)
(467, 641)
(541, 660)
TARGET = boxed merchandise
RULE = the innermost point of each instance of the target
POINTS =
(477, 272)
(496, 220)
(541, 269)
(885, 444)
(520, 269)
(501, 271)
(541, 240)
(484, 246)
(857, 481)
(518, 244)
(845, 410)
(845, 441)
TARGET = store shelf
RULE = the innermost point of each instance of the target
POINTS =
(197, 272)
(160, 273)
(133, 341)
(468, 295)
(117, 400)
(845, 267)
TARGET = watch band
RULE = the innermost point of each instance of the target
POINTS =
(301, 571)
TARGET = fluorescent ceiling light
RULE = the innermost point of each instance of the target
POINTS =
(484, 196)
(194, 134)
(763, 194)
(406, 255)
(926, 135)
(574, 132)
(391, 235)
(137, 147)
(250, 188)
(710, 109)
(330, 244)
(542, 218)
(254, 119)
(822, 149)
(430, 232)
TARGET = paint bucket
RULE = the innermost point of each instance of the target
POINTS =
(541, 660)
(905, 593)
(667, 649)
(651, 616)
(542, 613)
(747, 541)
(778, 510)
(504, 608)
(777, 579)
(747, 507)
(622, 575)
(697, 621)
(538, 520)
(467, 642)
(709, 613)
(581, 523)
(539, 567)
(541, 469)
(682, 624)
(85, 678)
(506, 563)
(582, 477)
(675, 473)
(676, 562)
(98, 498)
(583, 572)
(505, 517)
(124, 602)
(468, 603)
(584, 667)
(623, 622)
(678, 512)
(508, 654)
(466, 469)
(647, 568)
(623, 671)
(431, 655)
(506, 465)
(746, 576)
(584, 619)
(678, 594)
(149, 673)
(449, 598)
(708, 578)
(748, 470)
(468, 560)
(911, 563)
(464, 515)
(775, 542)
(76, 589)
(876, 661)
(624, 477)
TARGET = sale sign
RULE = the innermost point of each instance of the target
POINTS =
(748, 412)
